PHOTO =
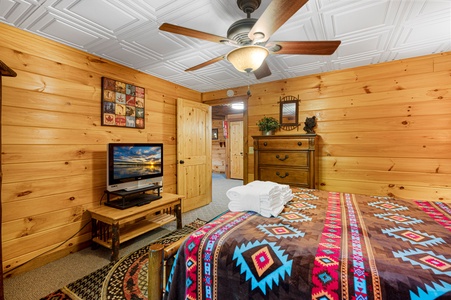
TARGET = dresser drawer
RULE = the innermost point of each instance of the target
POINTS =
(287, 159)
(299, 177)
(283, 158)
(283, 144)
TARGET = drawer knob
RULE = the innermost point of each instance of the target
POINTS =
(282, 176)
(299, 143)
(265, 144)
(281, 158)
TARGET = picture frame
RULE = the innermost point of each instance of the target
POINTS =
(123, 104)
(214, 134)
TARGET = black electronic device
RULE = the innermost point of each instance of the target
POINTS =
(132, 166)
(132, 169)
(126, 199)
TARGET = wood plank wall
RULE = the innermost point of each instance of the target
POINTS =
(218, 149)
(54, 147)
(383, 129)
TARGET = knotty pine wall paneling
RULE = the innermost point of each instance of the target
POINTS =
(218, 151)
(384, 129)
(54, 147)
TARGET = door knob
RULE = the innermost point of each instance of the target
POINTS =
(182, 162)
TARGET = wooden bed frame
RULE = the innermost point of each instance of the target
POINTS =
(158, 269)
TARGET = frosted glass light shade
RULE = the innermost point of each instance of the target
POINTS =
(247, 58)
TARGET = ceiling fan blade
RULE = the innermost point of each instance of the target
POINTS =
(305, 48)
(194, 33)
(263, 71)
(275, 15)
(204, 64)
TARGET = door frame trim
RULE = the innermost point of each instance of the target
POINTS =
(231, 100)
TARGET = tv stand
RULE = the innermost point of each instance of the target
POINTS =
(130, 198)
(111, 226)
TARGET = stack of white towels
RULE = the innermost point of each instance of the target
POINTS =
(264, 197)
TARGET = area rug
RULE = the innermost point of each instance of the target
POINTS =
(124, 279)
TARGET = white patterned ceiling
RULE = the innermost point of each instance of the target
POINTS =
(126, 32)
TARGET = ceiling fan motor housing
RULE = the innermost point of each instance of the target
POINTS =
(239, 30)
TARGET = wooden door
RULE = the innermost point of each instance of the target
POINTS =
(193, 153)
(236, 149)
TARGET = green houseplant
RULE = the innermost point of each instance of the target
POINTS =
(268, 125)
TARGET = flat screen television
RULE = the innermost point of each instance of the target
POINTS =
(134, 166)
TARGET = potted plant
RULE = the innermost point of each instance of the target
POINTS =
(268, 125)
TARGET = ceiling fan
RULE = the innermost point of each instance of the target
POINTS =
(252, 35)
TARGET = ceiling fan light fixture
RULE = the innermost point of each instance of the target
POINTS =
(247, 58)
(238, 105)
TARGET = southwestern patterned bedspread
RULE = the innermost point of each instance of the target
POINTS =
(324, 245)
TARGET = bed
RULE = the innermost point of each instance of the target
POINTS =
(323, 245)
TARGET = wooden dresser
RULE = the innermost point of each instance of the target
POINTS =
(286, 159)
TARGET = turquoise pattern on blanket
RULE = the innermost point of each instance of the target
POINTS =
(431, 292)
(280, 231)
(412, 236)
(399, 219)
(264, 255)
(388, 206)
(428, 260)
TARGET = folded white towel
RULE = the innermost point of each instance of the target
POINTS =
(273, 212)
(242, 198)
(271, 203)
(236, 193)
(286, 196)
(264, 197)
(266, 185)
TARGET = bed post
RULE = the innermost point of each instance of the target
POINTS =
(158, 271)
(155, 272)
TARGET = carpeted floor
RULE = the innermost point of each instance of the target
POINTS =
(42, 281)
(126, 279)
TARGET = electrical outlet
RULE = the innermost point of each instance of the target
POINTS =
(251, 150)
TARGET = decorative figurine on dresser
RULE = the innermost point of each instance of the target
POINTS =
(310, 124)
(286, 159)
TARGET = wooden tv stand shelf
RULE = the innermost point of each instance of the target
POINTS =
(112, 226)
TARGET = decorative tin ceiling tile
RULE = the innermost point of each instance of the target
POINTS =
(126, 32)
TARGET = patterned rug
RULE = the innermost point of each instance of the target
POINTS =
(125, 279)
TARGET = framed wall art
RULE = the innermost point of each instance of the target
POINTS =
(214, 134)
(123, 104)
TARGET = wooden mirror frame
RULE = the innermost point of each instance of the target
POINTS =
(289, 121)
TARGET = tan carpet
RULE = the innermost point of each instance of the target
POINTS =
(49, 278)
(125, 279)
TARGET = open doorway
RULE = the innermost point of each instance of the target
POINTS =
(229, 122)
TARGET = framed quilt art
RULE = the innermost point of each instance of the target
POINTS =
(122, 104)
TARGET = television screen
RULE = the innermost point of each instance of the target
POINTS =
(134, 165)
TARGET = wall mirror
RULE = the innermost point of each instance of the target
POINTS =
(289, 112)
